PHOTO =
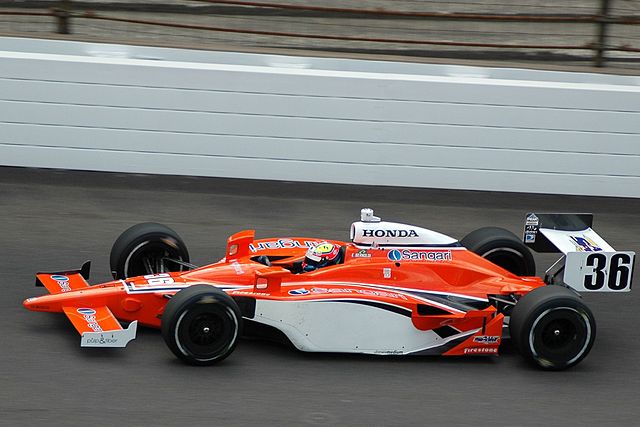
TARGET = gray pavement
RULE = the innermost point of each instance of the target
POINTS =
(56, 220)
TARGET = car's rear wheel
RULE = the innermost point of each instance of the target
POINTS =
(552, 328)
(502, 248)
(201, 325)
(147, 248)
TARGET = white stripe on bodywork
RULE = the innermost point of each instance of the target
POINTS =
(393, 288)
(398, 289)
(131, 287)
(406, 292)
(113, 338)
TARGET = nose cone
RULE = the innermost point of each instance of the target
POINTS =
(35, 304)
(29, 303)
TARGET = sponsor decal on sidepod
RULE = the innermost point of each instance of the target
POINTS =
(368, 292)
(480, 350)
(301, 291)
(487, 339)
(362, 253)
(412, 255)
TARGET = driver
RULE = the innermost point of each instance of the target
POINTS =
(323, 255)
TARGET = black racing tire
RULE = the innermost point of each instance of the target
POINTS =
(201, 325)
(552, 328)
(502, 248)
(139, 251)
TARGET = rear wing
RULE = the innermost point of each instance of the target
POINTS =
(588, 263)
(564, 233)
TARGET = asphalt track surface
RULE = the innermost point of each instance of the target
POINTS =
(56, 220)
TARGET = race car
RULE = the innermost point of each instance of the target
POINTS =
(393, 289)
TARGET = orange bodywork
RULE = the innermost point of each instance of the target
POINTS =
(435, 287)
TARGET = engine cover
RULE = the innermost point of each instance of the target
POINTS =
(391, 234)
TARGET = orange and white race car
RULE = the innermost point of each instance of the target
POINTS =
(394, 289)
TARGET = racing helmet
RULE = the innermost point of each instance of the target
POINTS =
(322, 255)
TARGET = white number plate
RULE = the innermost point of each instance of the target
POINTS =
(599, 271)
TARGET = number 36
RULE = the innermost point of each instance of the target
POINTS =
(613, 271)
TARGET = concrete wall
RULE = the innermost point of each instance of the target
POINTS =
(135, 109)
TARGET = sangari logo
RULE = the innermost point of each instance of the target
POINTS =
(412, 255)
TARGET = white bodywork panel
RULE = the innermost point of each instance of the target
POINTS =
(342, 326)
(116, 338)
(592, 264)
(394, 234)
(599, 271)
(585, 240)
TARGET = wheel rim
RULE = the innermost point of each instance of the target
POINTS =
(560, 337)
(206, 331)
(148, 258)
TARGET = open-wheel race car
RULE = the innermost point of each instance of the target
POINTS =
(395, 289)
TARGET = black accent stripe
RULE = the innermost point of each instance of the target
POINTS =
(446, 300)
(253, 329)
(388, 307)
(452, 301)
(429, 310)
(441, 349)
(446, 331)
(247, 306)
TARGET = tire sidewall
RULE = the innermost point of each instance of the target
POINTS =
(490, 241)
(530, 314)
(146, 233)
(183, 306)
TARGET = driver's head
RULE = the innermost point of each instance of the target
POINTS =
(320, 256)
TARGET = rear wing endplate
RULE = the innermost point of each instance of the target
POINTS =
(589, 263)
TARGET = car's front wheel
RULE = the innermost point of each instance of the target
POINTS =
(147, 248)
(201, 325)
